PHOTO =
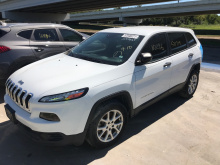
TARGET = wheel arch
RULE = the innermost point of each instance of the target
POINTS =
(123, 96)
(194, 67)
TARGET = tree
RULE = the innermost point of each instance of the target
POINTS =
(212, 18)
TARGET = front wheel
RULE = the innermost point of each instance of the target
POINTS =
(191, 85)
(108, 125)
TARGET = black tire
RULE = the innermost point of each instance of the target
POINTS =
(185, 92)
(112, 107)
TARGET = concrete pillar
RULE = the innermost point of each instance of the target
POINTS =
(35, 17)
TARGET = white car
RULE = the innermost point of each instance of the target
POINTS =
(89, 92)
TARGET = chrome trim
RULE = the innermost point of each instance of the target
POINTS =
(11, 88)
(23, 98)
(16, 96)
(15, 92)
(31, 94)
(16, 89)
(19, 95)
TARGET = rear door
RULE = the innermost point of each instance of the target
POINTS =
(182, 56)
(45, 43)
(70, 38)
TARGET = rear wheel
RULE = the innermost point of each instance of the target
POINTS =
(191, 85)
(107, 125)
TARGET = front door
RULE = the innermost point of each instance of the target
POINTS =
(153, 78)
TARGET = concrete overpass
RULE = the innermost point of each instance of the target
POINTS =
(57, 10)
(133, 15)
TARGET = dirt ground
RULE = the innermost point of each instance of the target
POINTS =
(173, 131)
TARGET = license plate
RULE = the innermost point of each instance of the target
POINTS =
(11, 114)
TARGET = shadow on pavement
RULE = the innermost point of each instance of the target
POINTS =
(2, 93)
(16, 148)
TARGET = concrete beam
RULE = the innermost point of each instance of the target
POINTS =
(7, 5)
(186, 8)
(35, 17)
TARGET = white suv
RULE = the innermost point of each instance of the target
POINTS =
(89, 92)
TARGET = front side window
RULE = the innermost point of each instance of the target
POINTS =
(157, 46)
(25, 34)
(69, 35)
(177, 42)
(107, 48)
(190, 39)
(46, 35)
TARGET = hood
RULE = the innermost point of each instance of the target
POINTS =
(61, 73)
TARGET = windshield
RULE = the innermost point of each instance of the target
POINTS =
(107, 48)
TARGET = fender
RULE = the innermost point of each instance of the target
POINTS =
(124, 96)
(194, 67)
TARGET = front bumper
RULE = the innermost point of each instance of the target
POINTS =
(52, 138)
(73, 116)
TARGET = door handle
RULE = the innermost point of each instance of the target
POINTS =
(39, 49)
(167, 64)
(190, 55)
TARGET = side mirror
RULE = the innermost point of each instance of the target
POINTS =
(144, 58)
(83, 38)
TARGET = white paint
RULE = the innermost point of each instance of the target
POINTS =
(61, 73)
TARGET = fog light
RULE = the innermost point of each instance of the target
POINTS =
(49, 116)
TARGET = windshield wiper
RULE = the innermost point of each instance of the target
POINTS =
(90, 59)
(85, 57)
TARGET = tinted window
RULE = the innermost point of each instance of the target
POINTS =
(2, 33)
(69, 35)
(25, 34)
(107, 48)
(177, 42)
(45, 35)
(190, 39)
(157, 46)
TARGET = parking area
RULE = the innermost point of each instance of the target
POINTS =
(173, 131)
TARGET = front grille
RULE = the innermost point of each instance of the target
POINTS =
(18, 95)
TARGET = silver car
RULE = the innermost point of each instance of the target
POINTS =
(22, 44)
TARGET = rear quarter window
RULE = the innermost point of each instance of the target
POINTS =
(190, 40)
(25, 34)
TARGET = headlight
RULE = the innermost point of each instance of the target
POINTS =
(65, 96)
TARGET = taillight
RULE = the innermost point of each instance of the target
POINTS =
(4, 49)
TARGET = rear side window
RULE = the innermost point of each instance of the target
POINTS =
(46, 35)
(69, 35)
(157, 46)
(25, 34)
(177, 42)
(190, 39)
(2, 33)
